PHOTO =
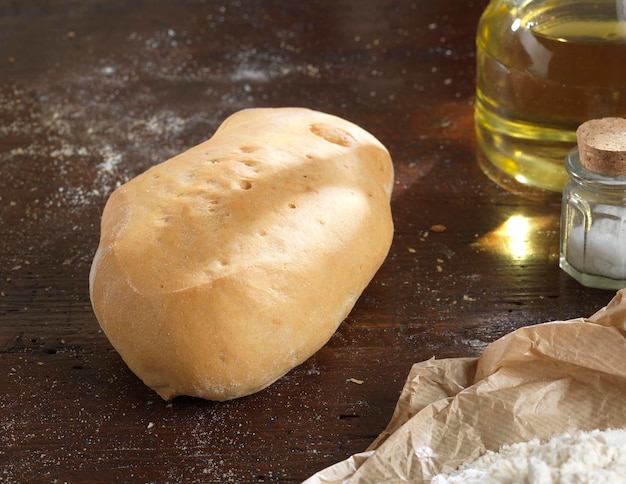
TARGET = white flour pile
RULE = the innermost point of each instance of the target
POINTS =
(582, 457)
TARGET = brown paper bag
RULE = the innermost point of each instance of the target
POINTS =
(536, 382)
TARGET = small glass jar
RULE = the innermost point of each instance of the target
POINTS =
(593, 226)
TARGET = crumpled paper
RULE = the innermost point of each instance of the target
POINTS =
(536, 382)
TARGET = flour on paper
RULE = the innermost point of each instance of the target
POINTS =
(581, 457)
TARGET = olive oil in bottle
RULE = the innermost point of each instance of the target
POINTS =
(543, 68)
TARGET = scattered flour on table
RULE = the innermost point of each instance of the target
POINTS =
(581, 457)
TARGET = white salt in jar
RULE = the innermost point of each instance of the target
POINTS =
(593, 217)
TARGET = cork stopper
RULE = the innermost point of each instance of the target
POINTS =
(602, 145)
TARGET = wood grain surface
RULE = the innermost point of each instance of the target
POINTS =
(92, 93)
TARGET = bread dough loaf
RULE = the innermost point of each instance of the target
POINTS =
(223, 268)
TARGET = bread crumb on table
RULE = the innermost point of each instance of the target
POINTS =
(438, 228)
(354, 380)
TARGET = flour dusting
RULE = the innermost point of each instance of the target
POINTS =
(103, 122)
(581, 457)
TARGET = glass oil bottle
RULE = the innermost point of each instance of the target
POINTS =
(543, 68)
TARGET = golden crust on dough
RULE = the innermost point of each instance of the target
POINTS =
(226, 266)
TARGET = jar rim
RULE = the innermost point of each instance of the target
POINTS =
(583, 175)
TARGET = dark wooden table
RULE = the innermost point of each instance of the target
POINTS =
(94, 92)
